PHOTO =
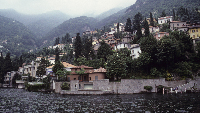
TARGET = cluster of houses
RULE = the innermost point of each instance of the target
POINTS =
(89, 74)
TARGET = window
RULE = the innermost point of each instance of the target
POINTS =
(79, 78)
(68, 79)
(74, 78)
(193, 31)
(75, 69)
(177, 24)
(132, 51)
(197, 30)
(160, 21)
(90, 78)
(96, 77)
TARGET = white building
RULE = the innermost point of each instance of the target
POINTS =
(163, 20)
(122, 45)
(135, 51)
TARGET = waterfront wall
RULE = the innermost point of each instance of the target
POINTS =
(57, 87)
(126, 86)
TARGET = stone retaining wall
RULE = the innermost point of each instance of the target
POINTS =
(127, 86)
(57, 87)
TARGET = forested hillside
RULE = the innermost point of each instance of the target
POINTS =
(15, 37)
(147, 6)
(72, 26)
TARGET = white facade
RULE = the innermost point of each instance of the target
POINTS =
(163, 20)
(122, 45)
(135, 51)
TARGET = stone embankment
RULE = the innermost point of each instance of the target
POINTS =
(126, 86)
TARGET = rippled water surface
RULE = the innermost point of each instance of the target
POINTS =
(19, 100)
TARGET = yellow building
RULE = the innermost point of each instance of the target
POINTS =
(194, 32)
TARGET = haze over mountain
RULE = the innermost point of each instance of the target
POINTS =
(39, 24)
(108, 13)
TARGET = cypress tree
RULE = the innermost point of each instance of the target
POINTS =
(57, 54)
(151, 19)
(78, 46)
(137, 19)
(146, 27)
(128, 26)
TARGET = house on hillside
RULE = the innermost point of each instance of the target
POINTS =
(154, 29)
(66, 65)
(175, 25)
(159, 35)
(127, 39)
(29, 68)
(89, 74)
(122, 45)
(163, 20)
(135, 51)
(148, 20)
(194, 31)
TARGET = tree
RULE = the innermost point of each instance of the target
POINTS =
(116, 67)
(174, 15)
(41, 69)
(88, 51)
(151, 20)
(66, 39)
(57, 59)
(58, 66)
(57, 41)
(137, 20)
(165, 27)
(163, 14)
(128, 26)
(103, 51)
(7, 64)
(168, 52)
(62, 74)
(78, 46)
(1, 68)
(146, 27)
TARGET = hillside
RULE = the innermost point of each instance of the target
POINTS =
(15, 37)
(39, 24)
(147, 6)
(72, 26)
(108, 13)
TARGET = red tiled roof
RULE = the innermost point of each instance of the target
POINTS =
(100, 70)
(82, 66)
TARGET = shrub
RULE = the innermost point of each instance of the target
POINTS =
(65, 86)
(148, 88)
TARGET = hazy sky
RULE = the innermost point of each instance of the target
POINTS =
(71, 7)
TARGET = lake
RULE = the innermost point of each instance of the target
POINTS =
(20, 100)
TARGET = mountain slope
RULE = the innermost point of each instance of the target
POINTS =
(108, 13)
(15, 37)
(39, 24)
(147, 6)
(72, 26)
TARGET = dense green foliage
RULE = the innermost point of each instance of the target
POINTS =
(41, 69)
(148, 88)
(65, 86)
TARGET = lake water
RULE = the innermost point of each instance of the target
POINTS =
(19, 100)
